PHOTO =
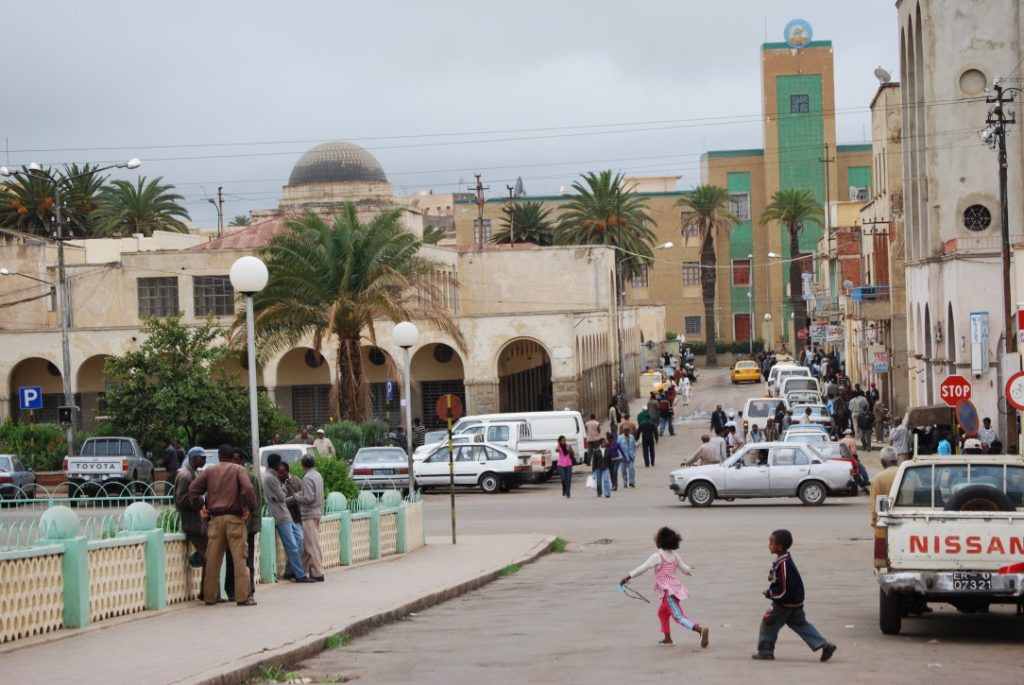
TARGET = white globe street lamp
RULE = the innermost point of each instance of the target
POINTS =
(249, 276)
(405, 335)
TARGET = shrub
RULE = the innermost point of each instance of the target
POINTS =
(375, 433)
(41, 445)
(346, 436)
(670, 336)
(335, 473)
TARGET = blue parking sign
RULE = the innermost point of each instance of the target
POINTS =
(389, 390)
(30, 397)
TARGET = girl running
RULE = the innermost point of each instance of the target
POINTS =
(666, 563)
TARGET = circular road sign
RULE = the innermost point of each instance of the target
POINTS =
(967, 417)
(955, 389)
(448, 407)
(1015, 390)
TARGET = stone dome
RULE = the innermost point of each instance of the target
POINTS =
(337, 162)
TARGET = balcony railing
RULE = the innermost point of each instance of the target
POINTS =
(870, 293)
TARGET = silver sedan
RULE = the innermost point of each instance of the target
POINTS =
(763, 469)
(381, 468)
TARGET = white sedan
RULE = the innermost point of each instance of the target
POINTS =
(764, 469)
(491, 467)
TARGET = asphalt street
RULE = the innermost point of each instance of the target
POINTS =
(563, 619)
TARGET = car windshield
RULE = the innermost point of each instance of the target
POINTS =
(818, 411)
(434, 436)
(827, 450)
(932, 485)
(288, 456)
(806, 437)
(379, 456)
(746, 365)
(759, 409)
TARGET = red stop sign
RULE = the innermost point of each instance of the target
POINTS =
(955, 389)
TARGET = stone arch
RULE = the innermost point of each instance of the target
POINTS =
(379, 368)
(524, 375)
(91, 385)
(37, 372)
(437, 369)
(303, 386)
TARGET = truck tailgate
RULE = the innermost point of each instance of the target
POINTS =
(86, 466)
(977, 540)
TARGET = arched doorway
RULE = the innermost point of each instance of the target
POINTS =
(41, 373)
(928, 366)
(92, 387)
(524, 377)
(304, 384)
(384, 379)
(437, 370)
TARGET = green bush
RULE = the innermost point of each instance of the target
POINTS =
(335, 474)
(346, 436)
(670, 336)
(375, 433)
(42, 445)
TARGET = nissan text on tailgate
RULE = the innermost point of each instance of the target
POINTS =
(951, 531)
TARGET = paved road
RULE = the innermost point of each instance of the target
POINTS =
(562, 618)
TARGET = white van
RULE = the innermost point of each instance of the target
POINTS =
(798, 383)
(545, 426)
(782, 371)
(759, 409)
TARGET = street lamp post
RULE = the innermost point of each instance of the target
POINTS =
(249, 276)
(406, 335)
(62, 280)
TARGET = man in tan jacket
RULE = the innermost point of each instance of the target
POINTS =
(705, 454)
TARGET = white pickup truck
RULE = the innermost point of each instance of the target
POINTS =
(951, 530)
(108, 465)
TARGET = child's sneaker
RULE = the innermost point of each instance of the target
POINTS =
(704, 634)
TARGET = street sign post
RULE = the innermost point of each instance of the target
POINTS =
(1015, 390)
(967, 417)
(881, 362)
(30, 397)
(955, 389)
(449, 408)
(979, 343)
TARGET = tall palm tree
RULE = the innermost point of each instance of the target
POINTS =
(794, 208)
(241, 220)
(710, 215)
(28, 201)
(144, 207)
(81, 191)
(527, 222)
(333, 281)
(605, 213)
(432, 235)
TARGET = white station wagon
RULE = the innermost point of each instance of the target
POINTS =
(764, 469)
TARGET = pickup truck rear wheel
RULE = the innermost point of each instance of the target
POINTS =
(890, 612)
(980, 498)
(490, 483)
(812, 493)
(701, 495)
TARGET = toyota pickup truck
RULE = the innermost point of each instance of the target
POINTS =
(951, 530)
(108, 464)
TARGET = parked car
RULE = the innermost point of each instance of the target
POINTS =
(819, 414)
(427, 448)
(16, 480)
(759, 409)
(108, 461)
(289, 453)
(803, 397)
(491, 467)
(381, 468)
(746, 371)
(763, 469)
(805, 437)
(798, 383)
(783, 370)
(834, 451)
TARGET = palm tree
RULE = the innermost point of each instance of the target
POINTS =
(27, 203)
(794, 208)
(529, 221)
(432, 235)
(710, 215)
(142, 208)
(605, 213)
(333, 281)
(241, 220)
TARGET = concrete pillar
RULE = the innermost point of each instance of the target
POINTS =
(59, 525)
(268, 551)
(374, 534)
(566, 393)
(482, 397)
(345, 546)
(140, 518)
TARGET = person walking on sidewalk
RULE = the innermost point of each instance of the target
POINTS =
(276, 495)
(229, 502)
(566, 458)
(627, 448)
(613, 418)
(192, 524)
(786, 591)
(593, 427)
(311, 504)
(614, 452)
(647, 433)
(667, 566)
(665, 412)
(599, 464)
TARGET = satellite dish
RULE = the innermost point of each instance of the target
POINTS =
(882, 75)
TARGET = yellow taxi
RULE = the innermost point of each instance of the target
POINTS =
(746, 371)
(652, 380)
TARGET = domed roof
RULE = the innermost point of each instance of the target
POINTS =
(336, 162)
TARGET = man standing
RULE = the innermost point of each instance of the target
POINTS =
(989, 437)
(648, 433)
(879, 411)
(419, 433)
(858, 404)
(718, 419)
(303, 438)
(883, 480)
(276, 496)
(627, 448)
(593, 427)
(652, 407)
(191, 522)
(252, 527)
(172, 462)
(719, 445)
(872, 395)
(899, 438)
(705, 454)
(230, 501)
(323, 446)
(311, 504)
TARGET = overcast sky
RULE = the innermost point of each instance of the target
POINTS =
(231, 93)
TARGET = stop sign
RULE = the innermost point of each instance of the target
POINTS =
(955, 389)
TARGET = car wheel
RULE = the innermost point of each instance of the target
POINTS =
(490, 483)
(701, 495)
(812, 493)
(890, 612)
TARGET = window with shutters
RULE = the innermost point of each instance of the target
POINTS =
(213, 295)
(158, 296)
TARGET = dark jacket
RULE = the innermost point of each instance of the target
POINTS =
(786, 588)
(171, 461)
(191, 521)
(648, 431)
(599, 459)
(718, 420)
(293, 486)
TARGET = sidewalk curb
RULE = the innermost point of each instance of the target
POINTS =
(248, 668)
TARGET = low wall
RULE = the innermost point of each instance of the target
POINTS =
(69, 581)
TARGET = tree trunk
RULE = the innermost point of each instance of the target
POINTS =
(350, 394)
(708, 276)
(796, 282)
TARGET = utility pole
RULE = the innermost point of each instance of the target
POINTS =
(478, 236)
(218, 204)
(511, 216)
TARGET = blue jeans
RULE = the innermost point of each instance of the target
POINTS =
(666, 421)
(613, 474)
(604, 484)
(648, 447)
(292, 547)
(565, 473)
(778, 616)
(628, 472)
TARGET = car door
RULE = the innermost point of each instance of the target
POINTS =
(434, 469)
(788, 466)
(747, 474)
(21, 475)
(470, 461)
